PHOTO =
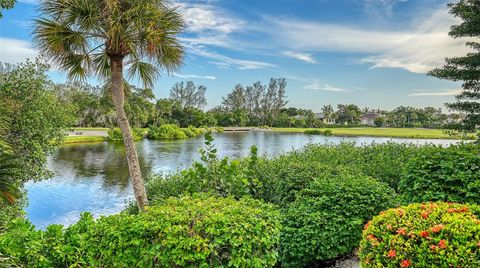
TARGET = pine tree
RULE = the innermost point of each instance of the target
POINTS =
(466, 68)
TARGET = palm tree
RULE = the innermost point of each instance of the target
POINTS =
(101, 38)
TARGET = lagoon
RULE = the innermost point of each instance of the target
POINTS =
(94, 176)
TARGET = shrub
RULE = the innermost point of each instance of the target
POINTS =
(194, 232)
(313, 132)
(192, 131)
(166, 132)
(328, 132)
(443, 174)
(423, 235)
(115, 134)
(326, 219)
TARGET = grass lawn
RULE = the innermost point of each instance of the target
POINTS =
(83, 139)
(417, 133)
(90, 128)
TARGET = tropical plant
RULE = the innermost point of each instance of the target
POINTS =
(101, 38)
(423, 235)
(199, 231)
(326, 219)
(443, 174)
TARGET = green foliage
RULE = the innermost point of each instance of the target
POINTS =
(326, 218)
(443, 174)
(115, 134)
(423, 235)
(192, 131)
(464, 68)
(37, 120)
(166, 132)
(6, 4)
(326, 132)
(194, 232)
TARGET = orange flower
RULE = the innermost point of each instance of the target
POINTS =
(433, 247)
(389, 227)
(442, 244)
(400, 212)
(392, 253)
(437, 228)
(478, 245)
(401, 231)
(424, 234)
(366, 225)
(405, 263)
(371, 237)
(464, 209)
(425, 214)
(451, 210)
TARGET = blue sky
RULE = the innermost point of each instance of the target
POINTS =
(372, 53)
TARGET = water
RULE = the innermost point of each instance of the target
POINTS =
(94, 177)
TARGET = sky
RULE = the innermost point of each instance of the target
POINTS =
(373, 53)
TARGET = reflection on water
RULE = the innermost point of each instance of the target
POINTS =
(94, 177)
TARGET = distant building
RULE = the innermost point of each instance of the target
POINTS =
(368, 119)
(328, 121)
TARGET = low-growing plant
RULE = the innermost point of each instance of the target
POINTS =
(443, 174)
(313, 132)
(326, 219)
(115, 134)
(197, 231)
(166, 132)
(423, 235)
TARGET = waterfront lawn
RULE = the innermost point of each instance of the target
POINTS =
(83, 139)
(416, 133)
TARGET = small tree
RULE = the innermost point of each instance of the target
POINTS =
(465, 68)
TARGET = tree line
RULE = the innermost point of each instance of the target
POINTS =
(258, 104)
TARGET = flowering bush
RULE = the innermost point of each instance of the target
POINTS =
(423, 235)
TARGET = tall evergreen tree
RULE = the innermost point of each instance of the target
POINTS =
(466, 68)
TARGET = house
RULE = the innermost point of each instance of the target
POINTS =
(368, 119)
(321, 117)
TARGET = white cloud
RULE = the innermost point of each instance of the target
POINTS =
(226, 61)
(441, 92)
(300, 56)
(315, 84)
(194, 76)
(202, 18)
(15, 50)
(418, 50)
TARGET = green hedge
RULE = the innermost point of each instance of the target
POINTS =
(423, 235)
(326, 219)
(443, 174)
(187, 232)
(166, 132)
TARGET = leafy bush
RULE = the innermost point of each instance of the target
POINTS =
(194, 232)
(221, 177)
(326, 219)
(443, 174)
(423, 235)
(115, 134)
(166, 132)
(313, 132)
(192, 131)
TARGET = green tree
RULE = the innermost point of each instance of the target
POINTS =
(188, 95)
(6, 4)
(100, 38)
(465, 68)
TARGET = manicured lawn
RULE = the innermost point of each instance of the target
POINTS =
(90, 128)
(418, 133)
(83, 139)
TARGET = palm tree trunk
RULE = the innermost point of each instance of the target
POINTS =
(118, 97)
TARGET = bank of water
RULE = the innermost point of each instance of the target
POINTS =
(94, 177)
